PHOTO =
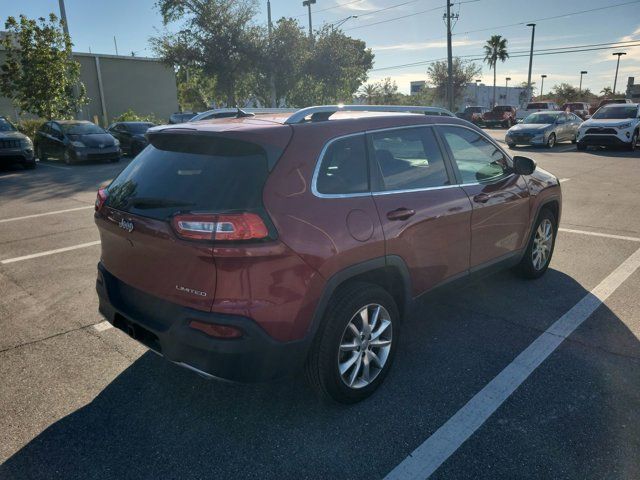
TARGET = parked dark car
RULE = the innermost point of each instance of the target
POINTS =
(130, 135)
(501, 115)
(15, 147)
(474, 114)
(248, 248)
(580, 109)
(181, 117)
(76, 141)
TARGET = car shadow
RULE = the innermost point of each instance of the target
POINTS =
(155, 420)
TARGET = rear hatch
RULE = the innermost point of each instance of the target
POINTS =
(160, 219)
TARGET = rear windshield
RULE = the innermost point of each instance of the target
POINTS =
(502, 109)
(183, 173)
(613, 112)
(473, 109)
(537, 106)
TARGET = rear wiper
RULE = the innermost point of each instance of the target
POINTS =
(149, 202)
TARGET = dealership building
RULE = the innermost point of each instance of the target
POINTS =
(117, 83)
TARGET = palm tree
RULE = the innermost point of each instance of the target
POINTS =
(370, 92)
(495, 49)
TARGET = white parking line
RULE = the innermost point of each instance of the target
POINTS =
(598, 234)
(562, 180)
(102, 326)
(55, 212)
(428, 457)
(49, 252)
(53, 166)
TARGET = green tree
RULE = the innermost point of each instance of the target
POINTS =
(369, 92)
(606, 91)
(495, 50)
(388, 91)
(217, 36)
(463, 73)
(335, 69)
(39, 74)
(564, 93)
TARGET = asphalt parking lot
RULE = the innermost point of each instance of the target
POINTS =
(81, 400)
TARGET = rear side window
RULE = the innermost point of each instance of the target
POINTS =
(478, 160)
(183, 173)
(408, 159)
(344, 167)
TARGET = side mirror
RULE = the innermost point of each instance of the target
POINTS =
(523, 165)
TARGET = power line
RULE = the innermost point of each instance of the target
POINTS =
(542, 52)
(331, 8)
(397, 18)
(550, 18)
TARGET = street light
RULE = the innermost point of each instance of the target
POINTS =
(477, 89)
(533, 34)
(506, 90)
(339, 23)
(308, 3)
(615, 81)
(583, 72)
(542, 84)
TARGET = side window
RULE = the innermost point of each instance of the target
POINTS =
(408, 159)
(344, 167)
(56, 131)
(477, 158)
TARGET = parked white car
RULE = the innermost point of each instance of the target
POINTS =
(533, 107)
(614, 125)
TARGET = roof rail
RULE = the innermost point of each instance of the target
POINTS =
(323, 112)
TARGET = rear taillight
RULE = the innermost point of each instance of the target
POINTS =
(216, 330)
(100, 199)
(231, 226)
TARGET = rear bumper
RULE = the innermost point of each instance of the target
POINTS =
(164, 327)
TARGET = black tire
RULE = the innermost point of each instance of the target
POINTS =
(29, 165)
(322, 367)
(41, 155)
(575, 139)
(551, 141)
(527, 267)
(634, 142)
(511, 145)
(66, 156)
(581, 147)
(115, 160)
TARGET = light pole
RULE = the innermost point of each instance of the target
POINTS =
(542, 84)
(615, 81)
(308, 3)
(477, 89)
(506, 90)
(339, 23)
(583, 72)
(533, 35)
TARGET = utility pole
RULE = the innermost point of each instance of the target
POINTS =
(272, 82)
(448, 17)
(63, 16)
(542, 84)
(115, 44)
(506, 90)
(583, 72)
(533, 35)
(615, 81)
(477, 88)
(308, 3)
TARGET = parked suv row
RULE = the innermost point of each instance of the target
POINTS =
(247, 248)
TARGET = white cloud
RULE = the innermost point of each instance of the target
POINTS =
(412, 46)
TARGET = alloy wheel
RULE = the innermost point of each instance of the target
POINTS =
(365, 346)
(542, 244)
(551, 141)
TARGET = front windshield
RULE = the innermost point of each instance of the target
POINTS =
(541, 118)
(139, 128)
(621, 111)
(81, 129)
(6, 126)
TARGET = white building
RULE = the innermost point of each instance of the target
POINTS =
(482, 95)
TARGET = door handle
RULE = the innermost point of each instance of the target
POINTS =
(481, 198)
(400, 214)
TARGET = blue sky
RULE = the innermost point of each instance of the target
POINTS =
(417, 37)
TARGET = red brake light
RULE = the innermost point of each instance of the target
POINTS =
(216, 330)
(100, 199)
(231, 226)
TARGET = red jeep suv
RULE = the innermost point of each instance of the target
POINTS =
(246, 248)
